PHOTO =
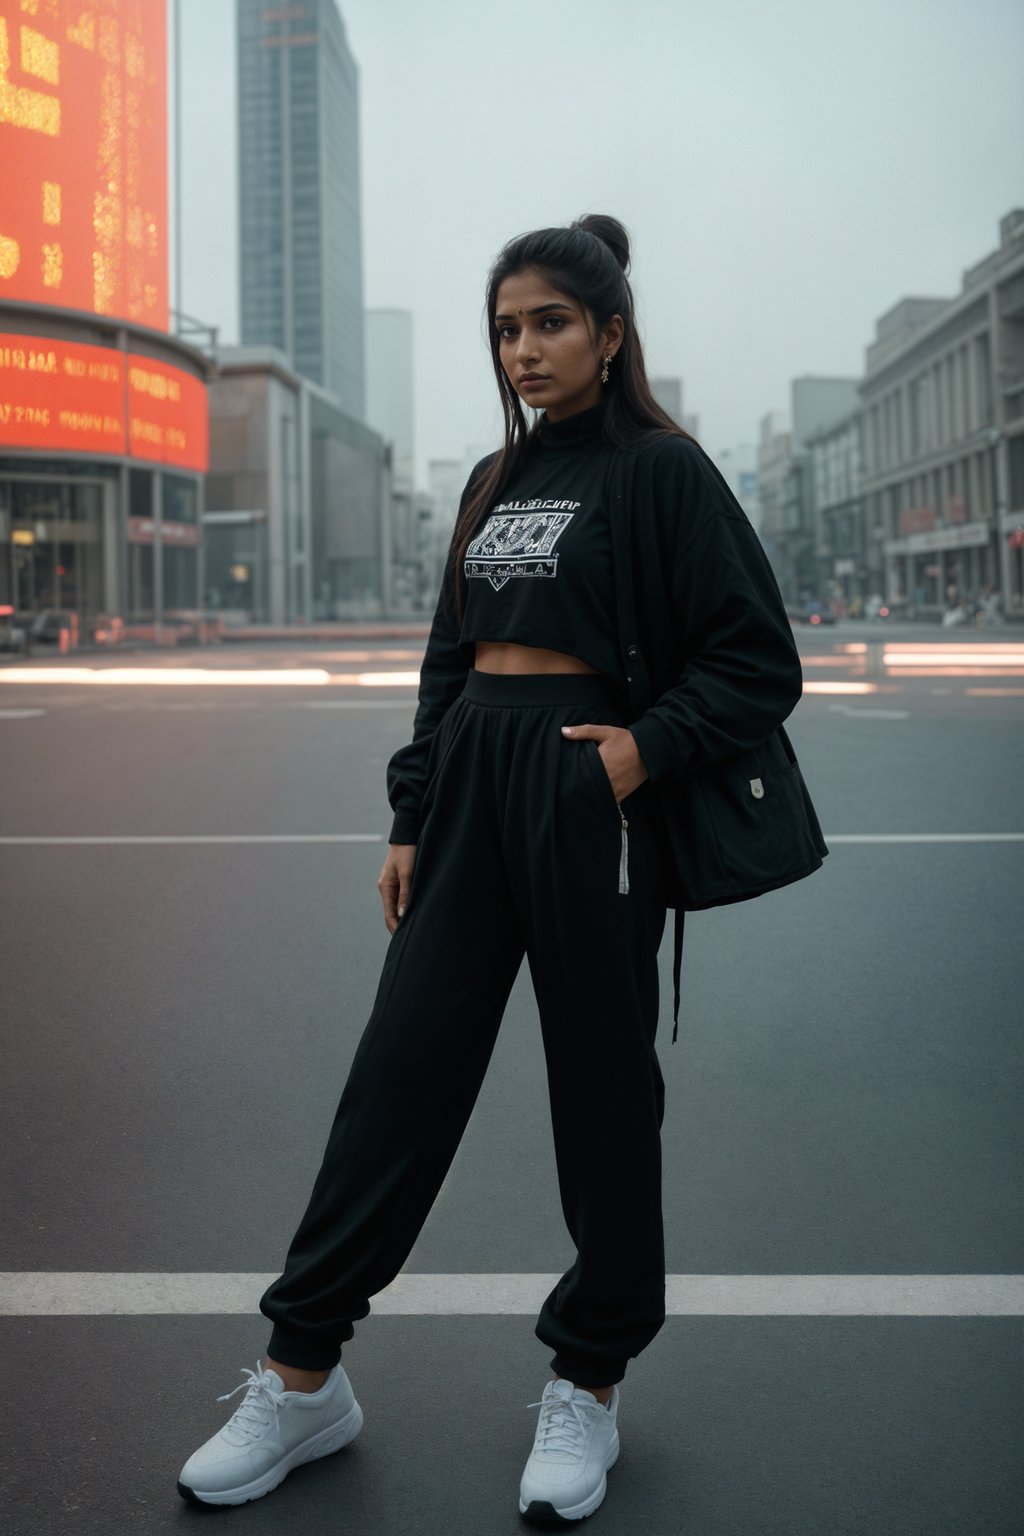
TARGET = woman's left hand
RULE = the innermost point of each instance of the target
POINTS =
(621, 756)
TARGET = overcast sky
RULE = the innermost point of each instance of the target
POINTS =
(788, 170)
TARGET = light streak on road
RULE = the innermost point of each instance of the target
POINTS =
(956, 671)
(200, 677)
(975, 656)
(833, 661)
(840, 687)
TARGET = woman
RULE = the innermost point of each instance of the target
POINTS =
(524, 823)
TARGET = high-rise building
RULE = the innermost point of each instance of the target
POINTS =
(389, 410)
(301, 271)
(669, 394)
(389, 387)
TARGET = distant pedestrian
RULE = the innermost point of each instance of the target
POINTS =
(989, 611)
(511, 808)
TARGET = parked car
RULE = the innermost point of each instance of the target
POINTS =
(46, 627)
(13, 635)
(811, 612)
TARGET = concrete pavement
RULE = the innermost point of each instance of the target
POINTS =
(844, 1100)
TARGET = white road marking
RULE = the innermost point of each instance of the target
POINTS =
(89, 1294)
(20, 714)
(924, 837)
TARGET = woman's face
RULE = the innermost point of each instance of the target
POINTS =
(548, 348)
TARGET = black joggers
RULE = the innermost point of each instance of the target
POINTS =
(522, 849)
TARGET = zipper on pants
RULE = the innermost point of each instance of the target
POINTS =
(623, 856)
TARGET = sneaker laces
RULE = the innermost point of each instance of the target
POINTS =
(563, 1426)
(258, 1408)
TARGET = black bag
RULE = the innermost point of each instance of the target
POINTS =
(731, 831)
(734, 831)
(740, 828)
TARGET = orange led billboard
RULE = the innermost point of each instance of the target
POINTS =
(168, 415)
(66, 396)
(83, 152)
(58, 394)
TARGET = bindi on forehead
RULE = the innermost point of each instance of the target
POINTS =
(540, 309)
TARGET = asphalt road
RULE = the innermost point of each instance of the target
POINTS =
(844, 1100)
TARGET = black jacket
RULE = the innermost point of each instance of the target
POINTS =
(710, 667)
(723, 667)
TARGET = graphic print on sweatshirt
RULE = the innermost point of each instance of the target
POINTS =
(518, 539)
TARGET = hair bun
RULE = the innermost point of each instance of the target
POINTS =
(610, 232)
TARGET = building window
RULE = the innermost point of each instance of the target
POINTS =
(180, 544)
(141, 544)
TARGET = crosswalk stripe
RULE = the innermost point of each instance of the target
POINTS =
(120, 1294)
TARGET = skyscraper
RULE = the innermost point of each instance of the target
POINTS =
(299, 208)
(389, 387)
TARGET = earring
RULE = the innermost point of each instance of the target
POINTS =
(604, 371)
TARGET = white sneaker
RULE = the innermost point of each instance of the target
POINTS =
(576, 1443)
(269, 1433)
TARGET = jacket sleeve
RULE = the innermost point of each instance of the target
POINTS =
(442, 678)
(740, 674)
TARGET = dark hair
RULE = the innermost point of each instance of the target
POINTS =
(588, 262)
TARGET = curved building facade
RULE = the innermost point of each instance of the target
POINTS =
(103, 413)
(103, 446)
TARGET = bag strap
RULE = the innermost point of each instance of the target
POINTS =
(677, 960)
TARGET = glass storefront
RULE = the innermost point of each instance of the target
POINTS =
(52, 546)
(141, 547)
(175, 534)
(65, 549)
(925, 585)
(938, 577)
(237, 566)
(180, 545)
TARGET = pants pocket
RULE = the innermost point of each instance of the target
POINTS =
(621, 821)
(602, 773)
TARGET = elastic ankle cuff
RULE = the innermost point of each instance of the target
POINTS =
(589, 1373)
(302, 1354)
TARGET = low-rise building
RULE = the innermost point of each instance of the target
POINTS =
(298, 499)
(840, 545)
(943, 439)
(785, 479)
(739, 469)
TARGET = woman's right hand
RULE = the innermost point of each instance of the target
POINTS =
(395, 880)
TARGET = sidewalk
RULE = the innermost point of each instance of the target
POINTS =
(374, 629)
(416, 631)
